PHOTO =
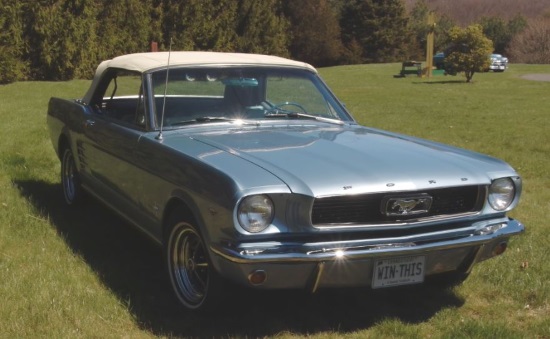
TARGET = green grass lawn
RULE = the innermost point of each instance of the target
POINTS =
(86, 273)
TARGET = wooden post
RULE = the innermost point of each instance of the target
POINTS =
(430, 45)
(154, 46)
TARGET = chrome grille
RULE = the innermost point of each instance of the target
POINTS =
(366, 208)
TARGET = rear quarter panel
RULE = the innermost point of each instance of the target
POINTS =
(65, 117)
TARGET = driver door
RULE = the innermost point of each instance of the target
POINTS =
(110, 138)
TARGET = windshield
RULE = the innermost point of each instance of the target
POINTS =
(203, 95)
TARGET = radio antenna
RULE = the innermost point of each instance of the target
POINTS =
(159, 136)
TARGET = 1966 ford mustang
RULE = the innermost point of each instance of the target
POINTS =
(247, 168)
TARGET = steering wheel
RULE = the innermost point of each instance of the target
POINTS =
(288, 103)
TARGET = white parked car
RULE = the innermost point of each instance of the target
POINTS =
(499, 63)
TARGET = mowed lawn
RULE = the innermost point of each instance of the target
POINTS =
(86, 273)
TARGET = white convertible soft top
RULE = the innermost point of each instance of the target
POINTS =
(143, 62)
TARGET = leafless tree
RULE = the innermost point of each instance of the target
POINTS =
(465, 12)
(532, 46)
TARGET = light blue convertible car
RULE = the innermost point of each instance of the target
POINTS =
(247, 169)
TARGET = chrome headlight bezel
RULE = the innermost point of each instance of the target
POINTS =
(502, 193)
(255, 213)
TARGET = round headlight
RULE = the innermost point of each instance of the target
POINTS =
(501, 193)
(255, 213)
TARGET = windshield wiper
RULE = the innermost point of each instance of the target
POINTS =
(299, 115)
(202, 120)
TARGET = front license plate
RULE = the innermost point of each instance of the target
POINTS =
(398, 271)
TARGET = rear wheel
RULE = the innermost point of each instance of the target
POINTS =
(70, 181)
(193, 279)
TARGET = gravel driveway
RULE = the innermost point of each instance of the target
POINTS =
(537, 77)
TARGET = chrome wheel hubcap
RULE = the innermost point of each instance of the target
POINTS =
(188, 265)
(68, 177)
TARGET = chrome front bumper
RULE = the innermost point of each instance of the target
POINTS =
(497, 67)
(350, 263)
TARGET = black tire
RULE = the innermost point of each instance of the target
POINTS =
(193, 279)
(70, 180)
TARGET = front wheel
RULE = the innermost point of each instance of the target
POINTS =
(193, 279)
(70, 181)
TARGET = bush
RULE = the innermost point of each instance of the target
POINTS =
(468, 52)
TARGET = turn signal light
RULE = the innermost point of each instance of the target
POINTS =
(257, 277)
(500, 248)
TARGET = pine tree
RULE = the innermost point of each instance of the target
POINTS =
(12, 45)
(200, 24)
(418, 25)
(379, 27)
(314, 31)
(502, 32)
(126, 27)
(261, 27)
(62, 39)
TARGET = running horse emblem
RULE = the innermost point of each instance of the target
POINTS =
(407, 206)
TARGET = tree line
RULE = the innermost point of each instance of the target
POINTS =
(66, 39)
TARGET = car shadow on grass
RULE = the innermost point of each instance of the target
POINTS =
(439, 82)
(130, 265)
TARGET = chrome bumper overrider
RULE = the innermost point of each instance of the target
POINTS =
(469, 246)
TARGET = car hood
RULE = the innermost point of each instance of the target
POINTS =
(321, 161)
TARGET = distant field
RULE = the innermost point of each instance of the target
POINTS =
(86, 273)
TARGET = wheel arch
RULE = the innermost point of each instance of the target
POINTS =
(186, 207)
(182, 264)
(62, 143)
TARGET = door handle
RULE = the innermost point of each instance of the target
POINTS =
(89, 123)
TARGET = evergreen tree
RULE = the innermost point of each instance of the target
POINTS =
(501, 32)
(62, 39)
(379, 27)
(261, 27)
(495, 29)
(201, 24)
(516, 25)
(312, 42)
(12, 45)
(126, 26)
(443, 26)
(418, 25)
